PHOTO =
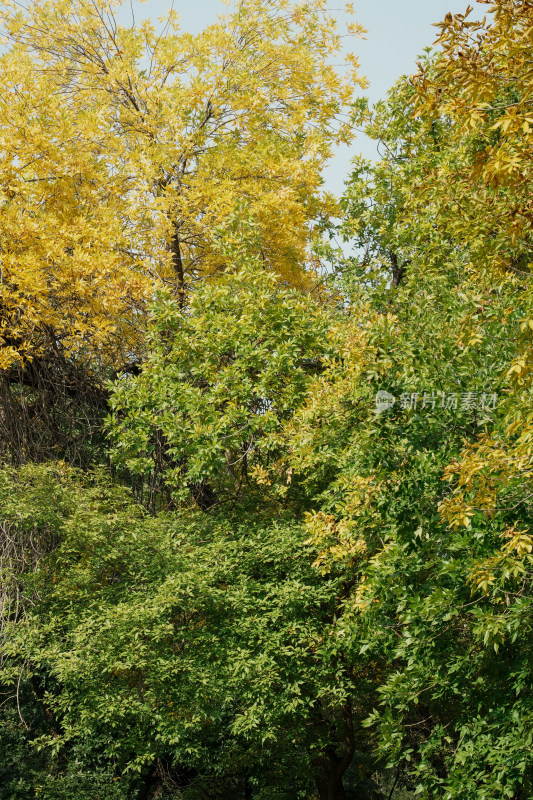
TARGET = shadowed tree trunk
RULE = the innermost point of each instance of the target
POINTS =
(398, 270)
(151, 787)
(177, 264)
(332, 766)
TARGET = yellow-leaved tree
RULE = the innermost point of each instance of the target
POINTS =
(483, 85)
(128, 158)
(125, 150)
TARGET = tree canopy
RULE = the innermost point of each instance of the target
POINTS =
(265, 507)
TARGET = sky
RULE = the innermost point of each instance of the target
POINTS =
(397, 33)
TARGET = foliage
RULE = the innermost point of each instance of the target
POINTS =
(309, 573)
(124, 149)
(200, 642)
(482, 81)
(220, 379)
(482, 84)
(440, 571)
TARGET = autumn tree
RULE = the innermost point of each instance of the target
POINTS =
(124, 149)
(419, 503)
(482, 84)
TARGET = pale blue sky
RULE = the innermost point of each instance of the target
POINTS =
(398, 31)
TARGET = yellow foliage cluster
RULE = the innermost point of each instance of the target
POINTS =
(125, 150)
(510, 562)
(343, 540)
(315, 436)
(483, 84)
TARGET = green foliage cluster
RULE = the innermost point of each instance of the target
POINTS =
(193, 639)
(220, 379)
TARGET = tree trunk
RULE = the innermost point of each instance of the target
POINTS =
(248, 790)
(398, 270)
(332, 766)
(150, 787)
(177, 263)
(329, 783)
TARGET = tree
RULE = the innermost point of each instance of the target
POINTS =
(482, 81)
(436, 607)
(181, 652)
(205, 416)
(123, 152)
(482, 84)
(125, 149)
